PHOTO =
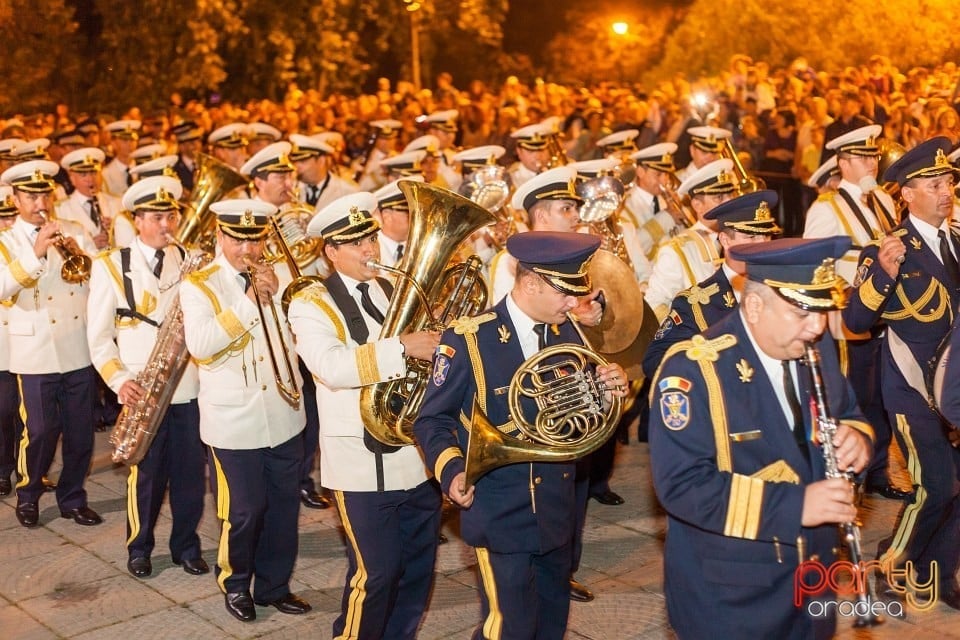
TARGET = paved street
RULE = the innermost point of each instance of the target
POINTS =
(62, 580)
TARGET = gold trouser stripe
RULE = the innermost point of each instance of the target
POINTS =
(133, 514)
(223, 513)
(493, 624)
(908, 519)
(358, 583)
(24, 441)
(843, 351)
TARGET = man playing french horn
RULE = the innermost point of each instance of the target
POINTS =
(131, 291)
(43, 270)
(520, 517)
(389, 507)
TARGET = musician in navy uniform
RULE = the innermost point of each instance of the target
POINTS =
(131, 292)
(520, 517)
(910, 280)
(189, 137)
(744, 219)
(252, 426)
(389, 507)
(732, 452)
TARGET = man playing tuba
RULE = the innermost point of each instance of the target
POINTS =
(389, 507)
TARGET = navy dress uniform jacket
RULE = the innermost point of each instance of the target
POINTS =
(731, 476)
(917, 305)
(692, 311)
(519, 508)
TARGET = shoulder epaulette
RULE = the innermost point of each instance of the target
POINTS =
(470, 324)
(201, 275)
(700, 295)
(826, 195)
(311, 292)
(699, 348)
(106, 253)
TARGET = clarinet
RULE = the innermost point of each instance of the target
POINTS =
(850, 531)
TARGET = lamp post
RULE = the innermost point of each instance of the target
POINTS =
(413, 8)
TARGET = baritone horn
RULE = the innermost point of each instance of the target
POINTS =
(289, 390)
(572, 417)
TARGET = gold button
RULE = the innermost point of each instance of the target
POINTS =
(537, 480)
(263, 388)
(49, 297)
(53, 321)
(566, 475)
(71, 293)
(76, 317)
(260, 358)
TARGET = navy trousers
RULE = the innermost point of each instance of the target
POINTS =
(524, 596)
(57, 406)
(391, 547)
(10, 426)
(258, 503)
(176, 458)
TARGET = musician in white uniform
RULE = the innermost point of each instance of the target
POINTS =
(124, 135)
(319, 184)
(389, 507)
(443, 125)
(252, 427)
(644, 203)
(694, 254)
(533, 156)
(47, 325)
(131, 293)
(369, 174)
(706, 145)
(10, 426)
(88, 205)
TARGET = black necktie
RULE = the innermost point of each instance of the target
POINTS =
(399, 252)
(94, 211)
(128, 177)
(158, 268)
(656, 204)
(799, 430)
(541, 330)
(367, 303)
(245, 281)
(949, 262)
(312, 195)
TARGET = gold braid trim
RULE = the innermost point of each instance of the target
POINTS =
(231, 324)
(697, 297)
(312, 294)
(862, 427)
(6, 258)
(366, 355)
(198, 279)
(832, 199)
(677, 246)
(778, 471)
(744, 507)
(476, 362)
(20, 275)
(110, 369)
(871, 298)
(443, 459)
(913, 309)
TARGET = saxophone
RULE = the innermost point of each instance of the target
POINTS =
(138, 422)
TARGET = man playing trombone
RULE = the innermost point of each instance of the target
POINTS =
(131, 291)
(251, 418)
(44, 266)
(389, 507)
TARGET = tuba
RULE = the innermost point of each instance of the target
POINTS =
(571, 418)
(138, 423)
(215, 179)
(439, 221)
(290, 240)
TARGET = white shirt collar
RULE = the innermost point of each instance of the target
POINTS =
(774, 370)
(853, 189)
(524, 326)
(929, 233)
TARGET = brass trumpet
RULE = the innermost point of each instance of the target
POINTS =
(76, 264)
(289, 390)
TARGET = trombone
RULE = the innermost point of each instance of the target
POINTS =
(289, 390)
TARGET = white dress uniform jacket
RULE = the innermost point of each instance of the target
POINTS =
(684, 261)
(830, 215)
(77, 209)
(121, 347)
(4, 336)
(372, 178)
(331, 188)
(115, 175)
(240, 407)
(652, 228)
(520, 174)
(341, 367)
(47, 321)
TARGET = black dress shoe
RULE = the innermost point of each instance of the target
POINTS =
(890, 492)
(288, 604)
(140, 567)
(240, 606)
(28, 514)
(607, 497)
(83, 515)
(580, 592)
(194, 566)
(313, 499)
(6, 487)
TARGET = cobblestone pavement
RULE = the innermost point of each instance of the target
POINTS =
(66, 581)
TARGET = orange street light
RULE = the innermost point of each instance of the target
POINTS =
(620, 28)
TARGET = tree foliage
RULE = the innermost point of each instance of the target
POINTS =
(830, 35)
